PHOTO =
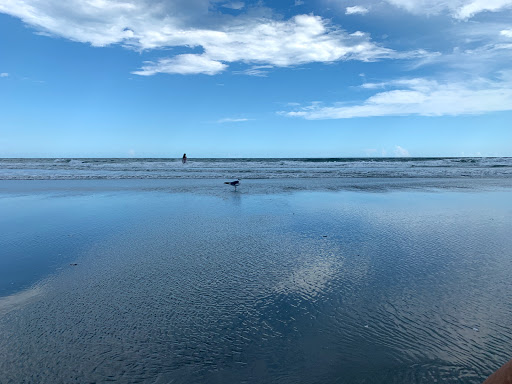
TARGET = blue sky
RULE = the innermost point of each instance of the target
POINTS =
(299, 78)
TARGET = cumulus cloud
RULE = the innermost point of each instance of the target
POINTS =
(471, 8)
(143, 25)
(506, 32)
(421, 97)
(356, 10)
(459, 9)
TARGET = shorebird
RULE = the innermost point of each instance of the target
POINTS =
(235, 183)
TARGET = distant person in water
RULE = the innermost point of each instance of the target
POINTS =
(184, 158)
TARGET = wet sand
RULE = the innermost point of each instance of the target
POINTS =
(283, 281)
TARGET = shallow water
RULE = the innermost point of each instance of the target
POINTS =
(373, 286)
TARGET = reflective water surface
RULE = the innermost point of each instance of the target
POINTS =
(400, 286)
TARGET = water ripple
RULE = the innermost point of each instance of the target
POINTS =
(275, 291)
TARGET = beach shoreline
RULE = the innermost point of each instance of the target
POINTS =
(213, 186)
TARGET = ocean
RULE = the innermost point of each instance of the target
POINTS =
(66, 169)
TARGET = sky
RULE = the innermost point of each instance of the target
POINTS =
(285, 78)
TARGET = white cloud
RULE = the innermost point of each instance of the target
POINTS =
(490, 55)
(506, 33)
(257, 70)
(231, 120)
(4, 74)
(459, 9)
(471, 8)
(428, 7)
(186, 64)
(144, 24)
(234, 5)
(300, 40)
(421, 97)
(401, 152)
(356, 10)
